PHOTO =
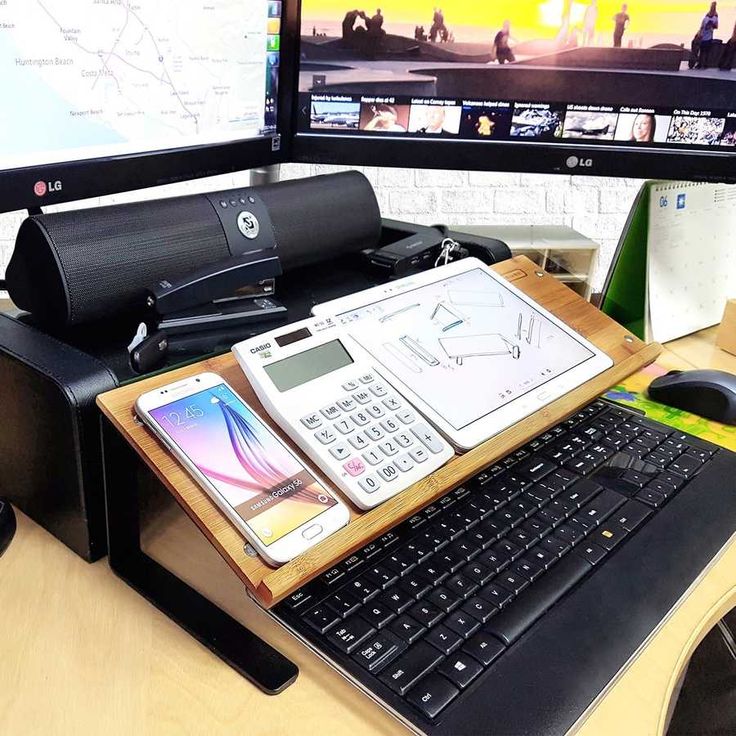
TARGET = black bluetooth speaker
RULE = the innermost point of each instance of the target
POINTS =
(81, 266)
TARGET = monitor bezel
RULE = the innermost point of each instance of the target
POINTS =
(79, 180)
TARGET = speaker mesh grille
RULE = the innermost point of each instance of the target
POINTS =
(111, 254)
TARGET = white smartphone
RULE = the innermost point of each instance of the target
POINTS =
(280, 506)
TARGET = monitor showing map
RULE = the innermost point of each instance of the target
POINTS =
(93, 79)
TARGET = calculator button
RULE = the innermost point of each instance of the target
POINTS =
(362, 397)
(379, 390)
(340, 452)
(312, 421)
(403, 439)
(418, 454)
(370, 484)
(428, 438)
(373, 457)
(344, 426)
(346, 403)
(360, 418)
(367, 378)
(388, 472)
(392, 403)
(389, 447)
(375, 410)
(325, 436)
(355, 467)
(404, 463)
(374, 433)
(390, 425)
(331, 411)
(406, 417)
(358, 441)
(350, 386)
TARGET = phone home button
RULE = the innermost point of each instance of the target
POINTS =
(312, 531)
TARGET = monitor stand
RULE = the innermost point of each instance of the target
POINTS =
(265, 175)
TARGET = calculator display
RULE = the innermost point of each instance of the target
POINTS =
(304, 367)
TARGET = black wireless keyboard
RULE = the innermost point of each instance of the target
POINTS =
(437, 618)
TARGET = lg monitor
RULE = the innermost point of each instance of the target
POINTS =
(642, 88)
(100, 97)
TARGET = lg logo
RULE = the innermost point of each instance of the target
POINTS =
(573, 162)
(42, 188)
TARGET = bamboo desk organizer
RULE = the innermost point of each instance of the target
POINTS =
(270, 585)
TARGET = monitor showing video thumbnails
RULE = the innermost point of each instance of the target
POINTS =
(587, 75)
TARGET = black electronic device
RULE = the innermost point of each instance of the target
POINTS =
(478, 615)
(405, 247)
(707, 393)
(546, 90)
(7, 524)
(75, 267)
(213, 98)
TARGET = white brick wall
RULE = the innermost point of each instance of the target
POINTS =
(596, 207)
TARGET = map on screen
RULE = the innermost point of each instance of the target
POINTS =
(91, 78)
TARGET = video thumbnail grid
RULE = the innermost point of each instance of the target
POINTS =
(525, 121)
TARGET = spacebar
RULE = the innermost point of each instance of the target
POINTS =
(521, 613)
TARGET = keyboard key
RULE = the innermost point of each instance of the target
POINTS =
(650, 497)
(443, 599)
(379, 390)
(346, 403)
(572, 533)
(366, 378)
(331, 412)
(428, 438)
(479, 608)
(496, 595)
(426, 614)
(373, 456)
(418, 454)
(686, 466)
(603, 505)
(580, 493)
(321, 618)
(396, 599)
(478, 573)
(376, 410)
(377, 614)
(526, 568)
(374, 433)
(375, 653)
(608, 535)
(404, 463)
(340, 452)
(462, 624)
(350, 386)
(312, 421)
(407, 628)
(388, 473)
(358, 441)
(349, 634)
(536, 468)
(432, 695)
(513, 582)
(343, 603)
(406, 416)
(415, 585)
(325, 436)
(461, 586)
(370, 483)
(362, 588)
(354, 467)
(392, 403)
(390, 425)
(591, 552)
(446, 640)
(521, 613)
(403, 672)
(343, 426)
(362, 397)
(555, 545)
(461, 669)
(381, 576)
(389, 447)
(631, 515)
(360, 418)
(403, 439)
(484, 648)
(541, 556)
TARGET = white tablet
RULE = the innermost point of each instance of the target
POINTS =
(473, 353)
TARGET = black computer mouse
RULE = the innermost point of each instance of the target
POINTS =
(7, 524)
(709, 394)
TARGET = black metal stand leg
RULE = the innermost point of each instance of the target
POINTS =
(245, 652)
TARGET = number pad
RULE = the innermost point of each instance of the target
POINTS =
(372, 437)
(360, 418)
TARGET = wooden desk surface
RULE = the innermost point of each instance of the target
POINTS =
(84, 653)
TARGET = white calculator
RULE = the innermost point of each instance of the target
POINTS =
(322, 389)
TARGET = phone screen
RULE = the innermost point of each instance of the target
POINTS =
(254, 472)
